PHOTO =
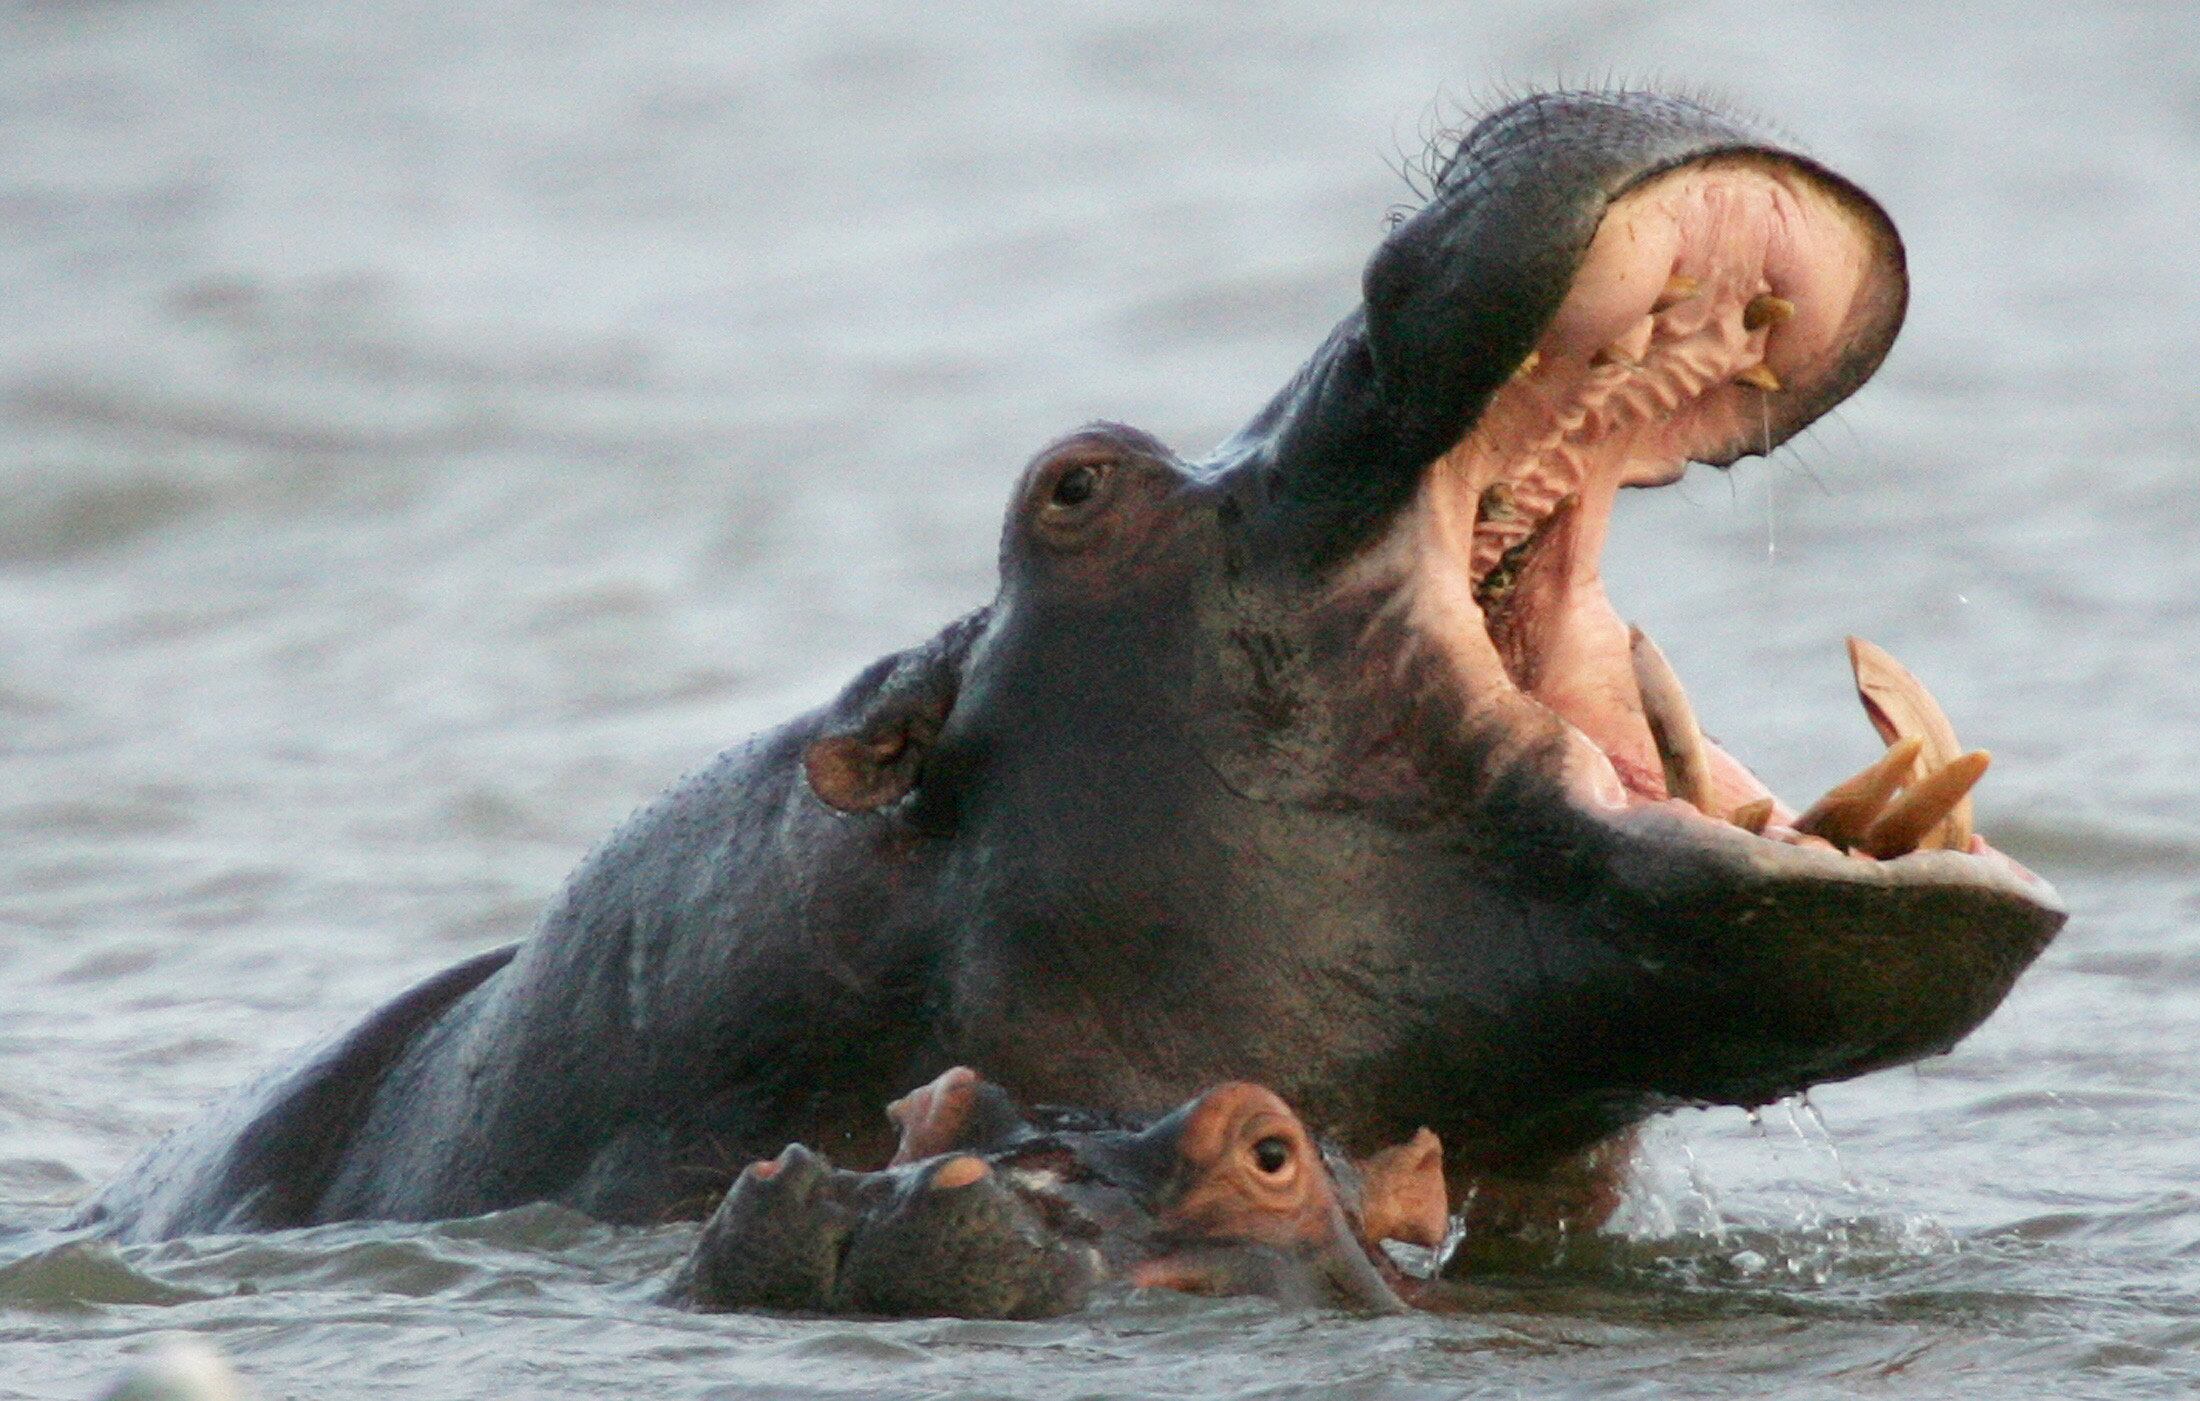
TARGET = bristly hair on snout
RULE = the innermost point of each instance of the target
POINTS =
(1447, 122)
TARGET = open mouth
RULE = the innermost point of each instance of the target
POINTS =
(1719, 308)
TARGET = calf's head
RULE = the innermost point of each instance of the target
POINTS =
(990, 1210)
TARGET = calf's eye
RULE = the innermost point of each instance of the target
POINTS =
(1076, 486)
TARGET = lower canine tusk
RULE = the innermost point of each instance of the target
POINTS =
(1913, 818)
(1673, 728)
(1849, 807)
(1752, 817)
(1900, 707)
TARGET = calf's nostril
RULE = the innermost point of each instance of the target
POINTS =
(959, 1172)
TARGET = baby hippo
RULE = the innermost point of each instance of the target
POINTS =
(992, 1210)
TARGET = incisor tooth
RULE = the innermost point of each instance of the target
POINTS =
(1903, 827)
(1752, 817)
(1759, 376)
(1527, 366)
(1678, 288)
(1630, 345)
(1900, 707)
(1846, 812)
(1672, 723)
(1766, 310)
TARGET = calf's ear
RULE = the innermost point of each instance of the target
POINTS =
(871, 748)
(934, 1117)
(1403, 1193)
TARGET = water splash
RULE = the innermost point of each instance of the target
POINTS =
(1802, 1110)
(1455, 1233)
(1812, 1221)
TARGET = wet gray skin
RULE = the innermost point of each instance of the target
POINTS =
(1314, 763)
(814, 1239)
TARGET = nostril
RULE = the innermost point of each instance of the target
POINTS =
(1272, 1155)
(959, 1172)
(796, 1170)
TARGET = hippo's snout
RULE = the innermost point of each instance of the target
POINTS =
(776, 1240)
(943, 1236)
(955, 1240)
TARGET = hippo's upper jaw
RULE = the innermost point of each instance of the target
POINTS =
(1720, 304)
(1603, 289)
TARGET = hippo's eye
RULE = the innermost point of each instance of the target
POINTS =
(1272, 1155)
(1072, 497)
(1077, 485)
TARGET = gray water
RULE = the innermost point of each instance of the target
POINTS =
(425, 430)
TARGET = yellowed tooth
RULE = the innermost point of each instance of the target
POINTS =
(1672, 721)
(1496, 504)
(1752, 817)
(1916, 815)
(1630, 345)
(1846, 812)
(1900, 707)
(1759, 376)
(1766, 310)
(1678, 288)
(1527, 366)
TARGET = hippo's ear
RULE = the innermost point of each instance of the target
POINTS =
(1403, 1197)
(933, 1118)
(960, 1110)
(872, 745)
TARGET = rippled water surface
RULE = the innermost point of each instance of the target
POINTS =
(426, 430)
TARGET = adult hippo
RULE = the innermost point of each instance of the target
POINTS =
(1322, 763)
